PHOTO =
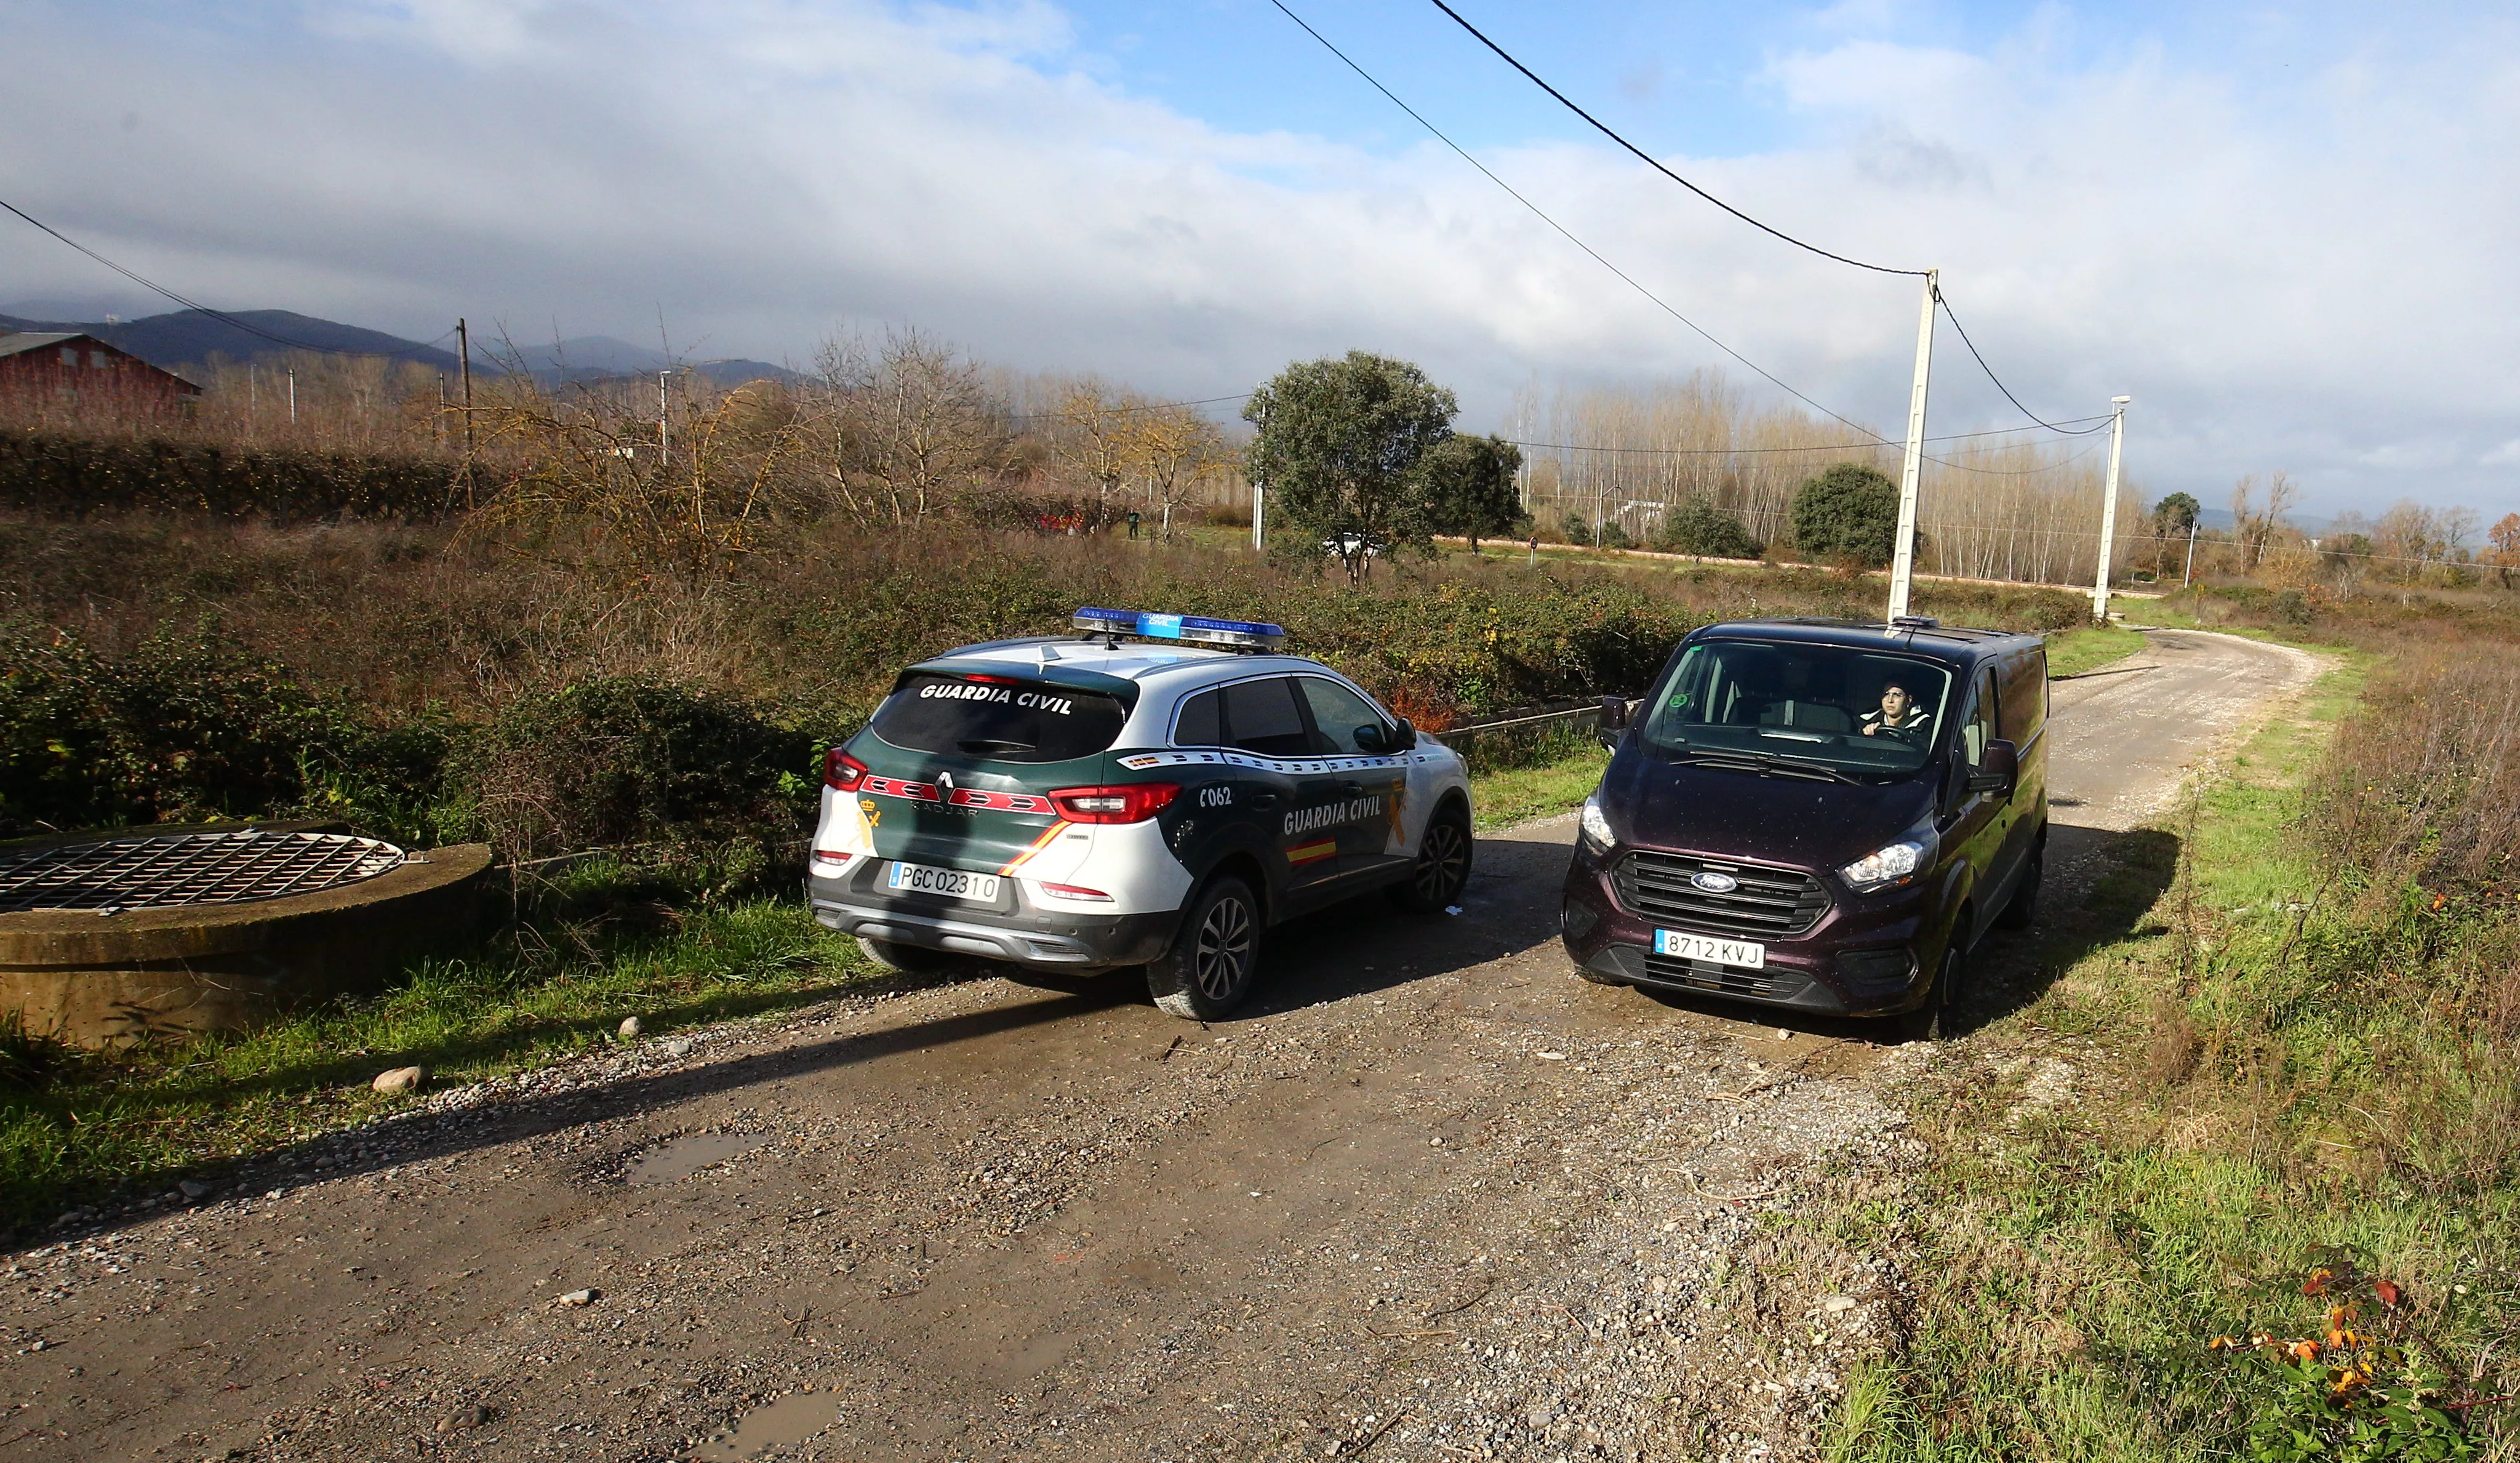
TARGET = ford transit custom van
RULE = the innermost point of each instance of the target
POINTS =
(1820, 815)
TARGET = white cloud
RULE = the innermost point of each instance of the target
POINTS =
(2303, 278)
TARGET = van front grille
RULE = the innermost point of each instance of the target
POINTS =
(1763, 905)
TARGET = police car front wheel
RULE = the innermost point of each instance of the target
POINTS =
(1208, 970)
(1443, 867)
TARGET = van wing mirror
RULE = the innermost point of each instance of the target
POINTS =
(1999, 771)
(1612, 720)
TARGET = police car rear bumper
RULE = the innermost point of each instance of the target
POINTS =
(1027, 937)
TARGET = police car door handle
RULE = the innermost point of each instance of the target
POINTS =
(1352, 789)
(1263, 799)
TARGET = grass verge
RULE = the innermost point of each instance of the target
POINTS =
(2222, 1100)
(2083, 650)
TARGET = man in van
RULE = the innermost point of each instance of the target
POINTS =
(1900, 718)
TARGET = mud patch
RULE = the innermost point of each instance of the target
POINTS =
(793, 1418)
(681, 1158)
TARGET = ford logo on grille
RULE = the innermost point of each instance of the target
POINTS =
(1714, 883)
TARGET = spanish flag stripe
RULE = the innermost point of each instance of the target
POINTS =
(1039, 843)
(1307, 852)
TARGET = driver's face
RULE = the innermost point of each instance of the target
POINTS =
(1894, 703)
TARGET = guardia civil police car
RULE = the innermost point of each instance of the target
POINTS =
(1154, 792)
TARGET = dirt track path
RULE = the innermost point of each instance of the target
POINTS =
(1431, 1197)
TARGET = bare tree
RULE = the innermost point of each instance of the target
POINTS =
(910, 430)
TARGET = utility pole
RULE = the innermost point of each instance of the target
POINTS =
(2188, 576)
(437, 426)
(2109, 508)
(464, 357)
(665, 433)
(292, 395)
(1260, 501)
(1903, 549)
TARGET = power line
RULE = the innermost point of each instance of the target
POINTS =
(1763, 451)
(1649, 159)
(1999, 381)
(218, 315)
(1595, 255)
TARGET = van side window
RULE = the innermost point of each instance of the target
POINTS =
(1261, 716)
(1202, 722)
(1979, 729)
(2024, 711)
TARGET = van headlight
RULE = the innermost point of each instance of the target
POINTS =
(1896, 863)
(1596, 823)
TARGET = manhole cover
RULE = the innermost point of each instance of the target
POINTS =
(191, 868)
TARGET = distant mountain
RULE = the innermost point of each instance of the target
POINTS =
(188, 339)
(184, 341)
(583, 359)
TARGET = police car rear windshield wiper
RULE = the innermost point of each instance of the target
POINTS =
(1748, 760)
(982, 746)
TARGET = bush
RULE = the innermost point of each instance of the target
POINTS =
(1849, 515)
(1697, 526)
(187, 728)
(52, 471)
(621, 762)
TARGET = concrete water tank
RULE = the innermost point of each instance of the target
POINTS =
(168, 930)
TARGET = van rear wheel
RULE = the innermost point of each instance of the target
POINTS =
(1214, 955)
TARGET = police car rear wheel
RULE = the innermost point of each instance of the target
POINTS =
(1208, 971)
(1443, 867)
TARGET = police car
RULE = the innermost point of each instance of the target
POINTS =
(1155, 791)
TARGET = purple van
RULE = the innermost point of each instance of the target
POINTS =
(1822, 815)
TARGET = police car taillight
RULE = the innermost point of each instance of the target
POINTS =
(830, 860)
(1076, 892)
(843, 772)
(1131, 802)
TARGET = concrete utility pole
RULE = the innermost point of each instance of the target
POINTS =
(2189, 576)
(1260, 501)
(1903, 549)
(664, 401)
(2109, 508)
(292, 395)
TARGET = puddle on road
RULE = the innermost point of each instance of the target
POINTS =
(793, 1418)
(682, 1158)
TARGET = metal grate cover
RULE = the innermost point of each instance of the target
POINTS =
(190, 868)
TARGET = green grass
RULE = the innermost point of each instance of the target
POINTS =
(2079, 652)
(2251, 1091)
(1509, 796)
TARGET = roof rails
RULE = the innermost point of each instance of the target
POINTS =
(1249, 635)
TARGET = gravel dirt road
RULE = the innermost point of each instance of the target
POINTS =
(1429, 1197)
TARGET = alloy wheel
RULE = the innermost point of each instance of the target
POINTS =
(1224, 952)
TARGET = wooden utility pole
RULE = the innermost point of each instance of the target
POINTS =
(464, 355)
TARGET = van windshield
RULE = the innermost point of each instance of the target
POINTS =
(998, 717)
(1832, 709)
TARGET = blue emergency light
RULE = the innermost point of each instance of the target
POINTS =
(1233, 634)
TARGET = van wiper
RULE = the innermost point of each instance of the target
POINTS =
(1746, 759)
(983, 746)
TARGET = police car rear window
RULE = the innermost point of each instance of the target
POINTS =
(999, 718)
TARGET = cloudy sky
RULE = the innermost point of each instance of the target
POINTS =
(2287, 231)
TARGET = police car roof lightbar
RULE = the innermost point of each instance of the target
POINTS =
(1231, 634)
